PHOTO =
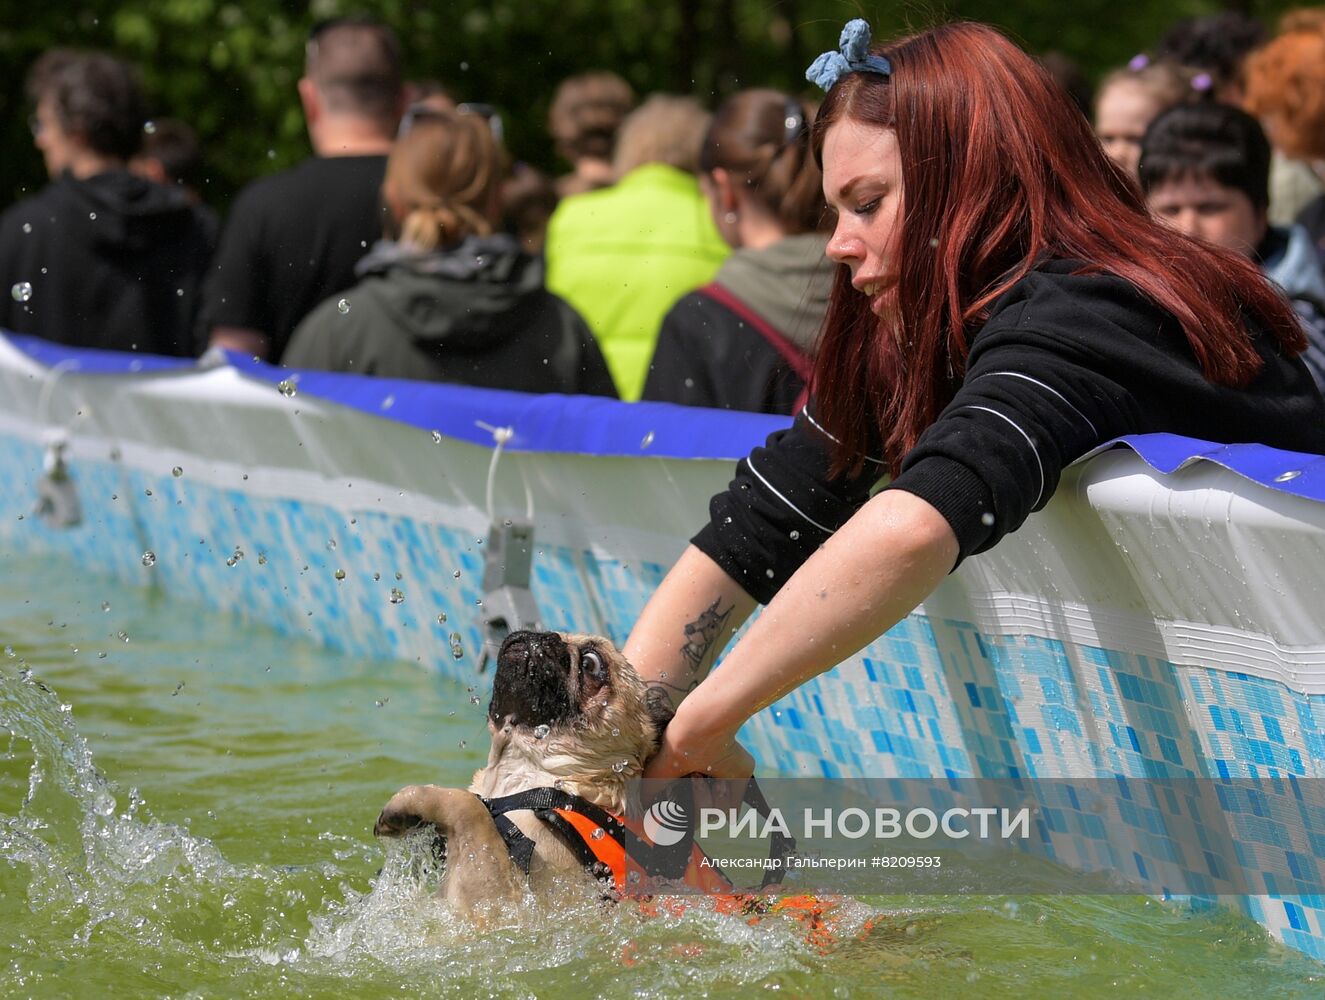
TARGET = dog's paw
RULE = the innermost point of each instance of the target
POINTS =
(406, 811)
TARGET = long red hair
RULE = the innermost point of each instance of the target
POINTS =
(1001, 171)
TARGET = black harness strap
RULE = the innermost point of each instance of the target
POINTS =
(543, 802)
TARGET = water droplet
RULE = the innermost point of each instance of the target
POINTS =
(456, 574)
(441, 618)
(616, 731)
(340, 574)
(400, 576)
(987, 519)
(177, 472)
(463, 743)
(396, 596)
(1288, 476)
(540, 732)
(436, 437)
(22, 291)
(149, 127)
(271, 154)
(768, 573)
(598, 833)
(178, 688)
(331, 545)
(262, 559)
(149, 558)
(123, 636)
(934, 243)
(343, 306)
(376, 577)
(92, 216)
(794, 535)
(27, 227)
(381, 702)
(620, 766)
(101, 656)
(148, 492)
(105, 605)
(648, 440)
(286, 387)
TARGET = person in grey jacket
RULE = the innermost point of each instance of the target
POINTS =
(445, 297)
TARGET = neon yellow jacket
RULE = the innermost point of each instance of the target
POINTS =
(623, 255)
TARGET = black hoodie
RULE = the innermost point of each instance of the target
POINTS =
(113, 261)
(477, 314)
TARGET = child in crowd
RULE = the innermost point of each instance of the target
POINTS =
(1129, 99)
(1205, 170)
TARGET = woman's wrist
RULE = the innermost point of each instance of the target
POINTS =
(702, 718)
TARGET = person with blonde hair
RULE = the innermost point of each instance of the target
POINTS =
(622, 255)
(586, 113)
(445, 296)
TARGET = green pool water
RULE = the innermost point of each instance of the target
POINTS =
(185, 807)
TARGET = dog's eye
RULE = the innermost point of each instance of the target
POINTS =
(592, 664)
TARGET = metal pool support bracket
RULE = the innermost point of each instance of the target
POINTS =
(508, 603)
(57, 496)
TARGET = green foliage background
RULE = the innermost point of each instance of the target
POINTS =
(229, 68)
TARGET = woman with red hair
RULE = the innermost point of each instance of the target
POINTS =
(1003, 304)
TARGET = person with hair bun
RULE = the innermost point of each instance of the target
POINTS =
(1003, 304)
(586, 113)
(446, 297)
(746, 341)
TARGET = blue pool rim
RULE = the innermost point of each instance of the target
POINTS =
(591, 425)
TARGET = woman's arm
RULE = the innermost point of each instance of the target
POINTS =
(686, 624)
(882, 563)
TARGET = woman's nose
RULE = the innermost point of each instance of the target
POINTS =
(843, 247)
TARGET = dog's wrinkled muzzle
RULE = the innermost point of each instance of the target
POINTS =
(531, 686)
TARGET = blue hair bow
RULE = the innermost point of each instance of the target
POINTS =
(853, 56)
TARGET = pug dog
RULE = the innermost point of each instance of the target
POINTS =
(567, 713)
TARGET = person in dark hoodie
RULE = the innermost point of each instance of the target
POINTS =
(746, 341)
(1205, 170)
(446, 297)
(99, 257)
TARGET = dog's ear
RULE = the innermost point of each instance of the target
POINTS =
(660, 711)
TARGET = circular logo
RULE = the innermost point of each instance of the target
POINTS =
(665, 823)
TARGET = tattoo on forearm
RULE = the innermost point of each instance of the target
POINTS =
(703, 632)
(705, 636)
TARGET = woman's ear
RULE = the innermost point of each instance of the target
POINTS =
(724, 190)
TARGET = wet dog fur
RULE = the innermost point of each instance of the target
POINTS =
(567, 710)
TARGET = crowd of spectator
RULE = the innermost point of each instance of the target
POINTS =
(680, 258)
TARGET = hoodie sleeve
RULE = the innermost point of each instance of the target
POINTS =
(312, 344)
(781, 506)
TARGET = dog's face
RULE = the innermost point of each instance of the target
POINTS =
(578, 698)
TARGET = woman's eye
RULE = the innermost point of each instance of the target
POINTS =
(868, 208)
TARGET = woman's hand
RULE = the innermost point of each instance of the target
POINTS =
(686, 748)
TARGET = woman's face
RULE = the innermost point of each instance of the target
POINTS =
(863, 185)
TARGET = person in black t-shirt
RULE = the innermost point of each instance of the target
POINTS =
(99, 257)
(293, 238)
(1003, 305)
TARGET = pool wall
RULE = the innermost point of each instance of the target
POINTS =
(1162, 617)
